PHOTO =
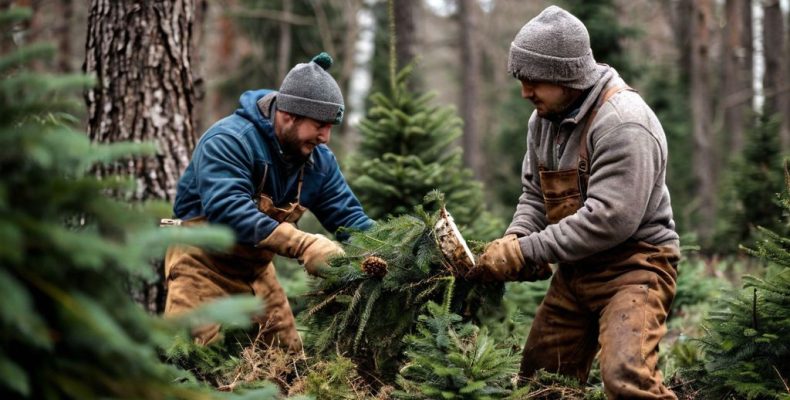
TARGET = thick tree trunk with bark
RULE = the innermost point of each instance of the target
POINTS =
(139, 52)
(737, 93)
(701, 108)
(774, 85)
(405, 45)
(470, 89)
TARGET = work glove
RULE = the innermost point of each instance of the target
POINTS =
(502, 260)
(311, 250)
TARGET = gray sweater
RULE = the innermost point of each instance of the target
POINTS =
(627, 197)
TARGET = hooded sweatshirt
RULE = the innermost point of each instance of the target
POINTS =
(227, 169)
(627, 197)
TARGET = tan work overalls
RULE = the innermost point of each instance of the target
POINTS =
(194, 276)
(616, 301)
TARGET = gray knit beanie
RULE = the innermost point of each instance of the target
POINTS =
(554, 47)
(309, 91)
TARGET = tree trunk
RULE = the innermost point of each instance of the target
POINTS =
(63, 32)
(470, 89)
(774, 85)
(284, 51)
(405, 31)
(139, 52)
(681, 13)
(737, 93)
(704, 160)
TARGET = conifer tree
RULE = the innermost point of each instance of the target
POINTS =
(747, 345)
(372, 297)
(67, 251)
(408, 149)
(606, 33)
(450, 359)
(753, 181)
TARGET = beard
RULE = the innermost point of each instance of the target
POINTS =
(292, 146)
(559, 110)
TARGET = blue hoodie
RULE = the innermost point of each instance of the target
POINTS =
(227, 167)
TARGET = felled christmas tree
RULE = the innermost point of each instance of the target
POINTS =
(371, 298)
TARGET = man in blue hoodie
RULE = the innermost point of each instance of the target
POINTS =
(257, 171)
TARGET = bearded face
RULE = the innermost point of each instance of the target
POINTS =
(551, 101)
(298, 136)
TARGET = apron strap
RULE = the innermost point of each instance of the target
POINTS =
(298, 186)
(263, 180)
(584, 156)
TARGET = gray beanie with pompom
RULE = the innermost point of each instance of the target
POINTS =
(309, 91)
(554, 47)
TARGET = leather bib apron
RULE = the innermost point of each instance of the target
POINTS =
(195, 275)
(251, 256)
(564, 190)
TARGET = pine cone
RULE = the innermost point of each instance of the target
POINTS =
(374, 266)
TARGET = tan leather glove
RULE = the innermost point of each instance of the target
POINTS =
(502, 260)
(311, 250)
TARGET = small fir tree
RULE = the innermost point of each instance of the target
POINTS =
(449, 359)
(747, 345)
(752, 183)
(408, 149)
(67, 252)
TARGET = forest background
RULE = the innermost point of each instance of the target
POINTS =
(717, 73)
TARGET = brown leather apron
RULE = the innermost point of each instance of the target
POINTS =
(195, 275)
(564, 190)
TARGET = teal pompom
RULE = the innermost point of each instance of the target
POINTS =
(324, 60)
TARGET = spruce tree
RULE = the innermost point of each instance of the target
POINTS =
(606, 34)
(372, 297)
(450, 359)
(68, 252)
(408, 149)
(752, 182)
(747, 344)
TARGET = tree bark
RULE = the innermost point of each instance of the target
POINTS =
(405, 31)
(65, 9)
(774, 85)
(704, 160)
(139, 52)
(284, 51)
(737, 93)
(470, 89)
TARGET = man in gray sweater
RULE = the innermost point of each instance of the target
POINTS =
(595, 202)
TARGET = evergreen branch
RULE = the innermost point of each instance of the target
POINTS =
(363, 320)
(325, 302)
